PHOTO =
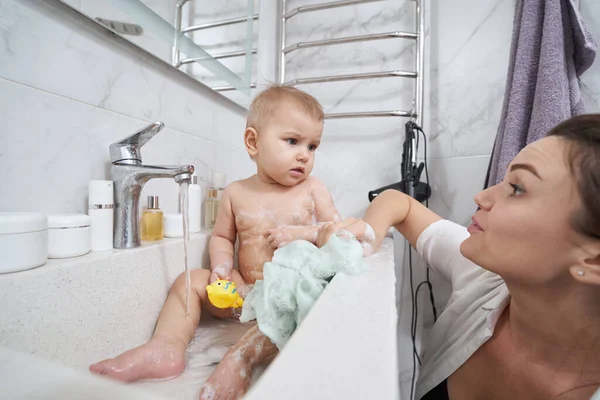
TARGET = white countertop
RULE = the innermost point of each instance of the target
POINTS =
(346, 347)
(61, 317)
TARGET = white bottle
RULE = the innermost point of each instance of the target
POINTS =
(195, 206)
(100, 210)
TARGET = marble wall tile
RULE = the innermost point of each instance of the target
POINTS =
(470, 44)
(46, 162)
(46, 49)
(590, 12)
(454, 183)
(234, 161)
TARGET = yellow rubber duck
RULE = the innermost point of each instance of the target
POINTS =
(223, 294)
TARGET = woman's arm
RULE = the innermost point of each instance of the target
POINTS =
(390, 208)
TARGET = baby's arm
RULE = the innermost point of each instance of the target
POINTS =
(325, 211)
(222, 240)
(324, 207)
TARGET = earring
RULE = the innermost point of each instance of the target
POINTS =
(580, 273)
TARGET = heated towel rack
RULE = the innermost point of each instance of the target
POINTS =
(416, 112)
(179, 29)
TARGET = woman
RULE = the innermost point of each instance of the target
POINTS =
(523, 321)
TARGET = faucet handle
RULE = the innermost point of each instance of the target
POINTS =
(128, 149)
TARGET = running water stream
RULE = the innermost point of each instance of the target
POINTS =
(183, 206)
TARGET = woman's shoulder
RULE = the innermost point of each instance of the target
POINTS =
(439, 245)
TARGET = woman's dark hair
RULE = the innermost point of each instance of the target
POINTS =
(582, 134)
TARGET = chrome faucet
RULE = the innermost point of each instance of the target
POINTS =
(129, 176)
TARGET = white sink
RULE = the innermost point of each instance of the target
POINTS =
(58, 319)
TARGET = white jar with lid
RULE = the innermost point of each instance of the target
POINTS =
(173, 225)
(68, 235)
(23, 241)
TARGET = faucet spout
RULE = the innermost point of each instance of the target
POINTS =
(128, 182)
(129, 176)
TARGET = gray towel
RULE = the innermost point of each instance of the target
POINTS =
(550, 48)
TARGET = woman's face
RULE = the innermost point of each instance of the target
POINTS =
(522, 230)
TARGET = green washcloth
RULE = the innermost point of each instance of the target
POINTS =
(294, 279)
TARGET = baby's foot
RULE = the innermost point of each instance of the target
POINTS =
(230, 380)
(160, 358)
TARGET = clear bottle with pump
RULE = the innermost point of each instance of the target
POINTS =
(152, 221)
(213, 198)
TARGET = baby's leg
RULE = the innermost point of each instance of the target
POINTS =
(233, 375)
(163, 357)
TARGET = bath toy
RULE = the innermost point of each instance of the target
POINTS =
(223, 294)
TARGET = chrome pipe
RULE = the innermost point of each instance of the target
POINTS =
(178, 16)
(351, 77)
(216, 24)
(324, 6)
(218, 56)
(281, 48)
(230, 88)
(420, 62)
(363, 114)
(350, 39)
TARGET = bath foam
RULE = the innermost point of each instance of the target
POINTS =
(294, 279)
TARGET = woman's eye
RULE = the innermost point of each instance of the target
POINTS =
(293, 142)
(517, 190)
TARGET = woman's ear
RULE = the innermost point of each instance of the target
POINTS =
(251, 142)
(587, 271)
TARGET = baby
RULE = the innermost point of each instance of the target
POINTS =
(277, 205)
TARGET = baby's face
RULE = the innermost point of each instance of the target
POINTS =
(286, 145)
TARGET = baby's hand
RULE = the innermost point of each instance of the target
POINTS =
(279, 237)
(221, 272)
(362, 231)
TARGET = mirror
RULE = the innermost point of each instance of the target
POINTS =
(212, 41)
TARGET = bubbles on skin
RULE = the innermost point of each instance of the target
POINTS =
(208, 393)
(344, 234)
(367, 249)
(369, 234)
(368, 239)
(224, 268)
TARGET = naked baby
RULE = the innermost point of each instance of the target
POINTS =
(277, 205)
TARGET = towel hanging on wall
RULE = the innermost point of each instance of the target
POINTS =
(550, 49)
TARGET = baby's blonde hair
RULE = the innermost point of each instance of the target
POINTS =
(265, 104)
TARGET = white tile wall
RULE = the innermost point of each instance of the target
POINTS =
(68, 90)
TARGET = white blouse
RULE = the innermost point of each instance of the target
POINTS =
(468, 321)
(477, 301)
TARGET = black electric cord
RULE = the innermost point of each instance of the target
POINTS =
(427, 282)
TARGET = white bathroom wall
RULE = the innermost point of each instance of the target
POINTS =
(590, 11)
(68, 89)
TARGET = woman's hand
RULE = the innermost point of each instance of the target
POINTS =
(354, 226)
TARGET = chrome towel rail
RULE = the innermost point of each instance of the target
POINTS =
(351, 77)
(350, 39)
(225, 22)
(417, 107)
(324, 6)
